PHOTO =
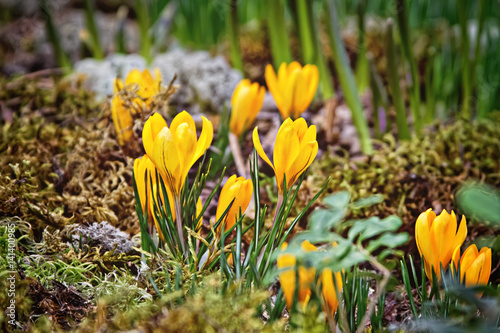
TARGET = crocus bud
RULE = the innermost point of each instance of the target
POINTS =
(437, 238)
(294, 150)
(246, 104)
(294, 87)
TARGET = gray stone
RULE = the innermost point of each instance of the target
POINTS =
(205, 83)
(105, 235)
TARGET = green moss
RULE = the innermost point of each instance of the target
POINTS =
(59, 160)
(419, 174)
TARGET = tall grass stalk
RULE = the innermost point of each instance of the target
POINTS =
(121, 18)
(347, 80)
(379, 98)
(310, 45)
(466, 61)
(141, 11)
(92, 28)
(280, 44)
(61, 56)
(414, 91)
(233, 29)
(430, 94)
(393, 77)
(362, 68)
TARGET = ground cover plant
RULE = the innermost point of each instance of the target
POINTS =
(247, 166)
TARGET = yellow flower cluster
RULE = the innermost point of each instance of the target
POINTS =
(293, 89)
(145, 87)
(439, 241)
(171, 150)
(287, 262)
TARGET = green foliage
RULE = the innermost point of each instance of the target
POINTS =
(208, 252)
(368, 241)
(450, 305)
(480, 202)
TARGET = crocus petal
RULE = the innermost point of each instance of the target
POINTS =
(133, 77)
(468, 258)
(241, 106)
(302, 162)
(292, 94)
(158, 80)
(486, 271)
(118, 85)
(442, 233)
(205, 139)
(183, 118)
(474, 270)
(122, 119)
(455, 259)
(311, 75)
(273, 86)
(328, 289)
(285, 152)
(152, 127)
(227, 195)
(283, 76)
(423, 240)
(185, 139)
(140, 181)
(461, 233)
(258, 147)
(166, 158)
(300, 127)
(287, 277)
(238, 189)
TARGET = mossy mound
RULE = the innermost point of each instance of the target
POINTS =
(416, 175)
(60, 162)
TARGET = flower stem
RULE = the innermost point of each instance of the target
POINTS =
(238, 158)
(178, 221)
(278, 206)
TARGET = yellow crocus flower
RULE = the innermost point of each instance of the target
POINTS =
(141, 167)
(238, 189)
(246, 103)
(287, 277)
(294, 87)
(122, 119)
(122, 113)
(437, 238)
(328, 288)
(148, 87)
(294, 150)
(144, 167)
(176, 149)
(475, 266)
